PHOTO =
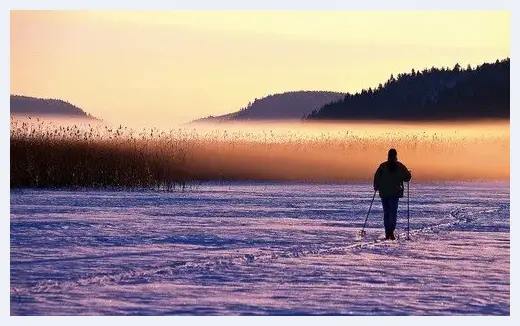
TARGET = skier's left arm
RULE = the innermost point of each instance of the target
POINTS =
(377, 176)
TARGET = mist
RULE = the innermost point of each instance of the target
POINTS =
(352, 152)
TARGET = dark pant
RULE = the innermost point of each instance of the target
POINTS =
(390, 205)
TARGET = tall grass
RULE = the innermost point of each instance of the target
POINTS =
(56, 156)
(75, 156)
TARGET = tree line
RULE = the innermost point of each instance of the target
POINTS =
(430, 94)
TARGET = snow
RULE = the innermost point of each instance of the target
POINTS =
(260, 248)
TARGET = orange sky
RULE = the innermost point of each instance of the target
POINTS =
(174, 66)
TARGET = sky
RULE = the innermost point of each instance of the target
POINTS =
(162, 67)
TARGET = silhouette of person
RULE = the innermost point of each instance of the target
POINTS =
(388, 180)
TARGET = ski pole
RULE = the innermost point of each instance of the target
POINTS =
(408, 229)
(369, 208)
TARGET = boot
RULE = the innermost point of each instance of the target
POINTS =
(392, 237)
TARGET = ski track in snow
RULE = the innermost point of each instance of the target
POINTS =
(259, 249)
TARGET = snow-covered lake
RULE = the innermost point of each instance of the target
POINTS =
(255, 248)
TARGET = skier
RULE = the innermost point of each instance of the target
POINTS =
(388, 180)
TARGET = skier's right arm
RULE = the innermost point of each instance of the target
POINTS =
(407, 175)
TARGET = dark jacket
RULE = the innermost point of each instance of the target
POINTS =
(389, 181)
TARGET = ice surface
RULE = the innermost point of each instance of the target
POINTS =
(259, 248)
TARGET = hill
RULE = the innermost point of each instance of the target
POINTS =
(283, 106)
(31, 106)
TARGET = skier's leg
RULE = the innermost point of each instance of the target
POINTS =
(386, 216)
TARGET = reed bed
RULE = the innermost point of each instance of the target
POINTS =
(87, 156)
(47, 155)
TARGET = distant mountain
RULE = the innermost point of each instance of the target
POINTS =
(31, 106)
(431, 94)
(284, 106)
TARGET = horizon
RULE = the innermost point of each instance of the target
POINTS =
(200, 119)
(79, 55)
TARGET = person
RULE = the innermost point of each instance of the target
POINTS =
(388, 180)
